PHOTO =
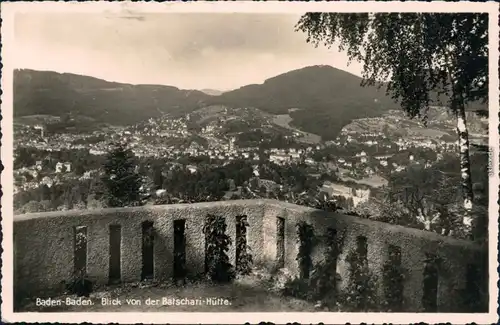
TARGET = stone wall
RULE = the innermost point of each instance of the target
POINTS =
(44, 245)
(455, 255)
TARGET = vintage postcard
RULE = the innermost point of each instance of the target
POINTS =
(232, 162)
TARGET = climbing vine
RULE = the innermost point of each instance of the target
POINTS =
(393, 283)
(324, 278)
(79, 284)
(217, 242)
(299, 287)
(430, 282)
(360, 293)
(321, 285)
(244, 258)
(306, 241)
(148, 235)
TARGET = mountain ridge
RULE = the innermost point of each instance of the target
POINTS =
(58, 94)
(324, 98)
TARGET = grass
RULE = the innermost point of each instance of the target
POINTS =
(253, 293)
(373, 180)
(427, 132)
(284, 121)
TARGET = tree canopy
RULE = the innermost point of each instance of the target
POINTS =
(417, 53)
(420, 55)
(423, 60)
(120, 179)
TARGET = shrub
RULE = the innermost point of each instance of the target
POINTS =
(360, 293)
(79, 283)
(217, 243)
(324, 278)
(80, 286)
(297, 288)
(300, 287)
(322, 282)
(244, 257)
(122, 184)
(392, 284)
(306, 241)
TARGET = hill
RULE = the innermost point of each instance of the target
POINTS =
(395, 124)
(319, 100)
(324, 98)
(314, 87)
(52, 93)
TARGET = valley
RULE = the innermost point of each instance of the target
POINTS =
(359, 142)
(326, 99)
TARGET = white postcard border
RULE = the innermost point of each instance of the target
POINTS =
(120, 8)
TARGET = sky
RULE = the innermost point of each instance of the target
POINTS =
(220, 51)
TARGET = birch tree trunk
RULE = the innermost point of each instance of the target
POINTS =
(465, 172)
(458, 107)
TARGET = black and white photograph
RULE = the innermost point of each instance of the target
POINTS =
(250, 161)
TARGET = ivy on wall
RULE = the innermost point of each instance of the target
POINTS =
(300, 287)
(306, 241)
(360, 293)
(244, 258)
(79, 284)
(393, 281)
(321, 284)
(324, 278)
(217, 243)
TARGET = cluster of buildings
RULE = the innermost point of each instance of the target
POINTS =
(284, 156)
(164, 128)
(357, 195)
(148, 140)
(32, 177)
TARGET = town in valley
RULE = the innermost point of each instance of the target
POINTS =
(236, 153)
